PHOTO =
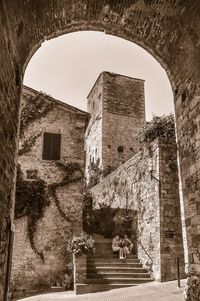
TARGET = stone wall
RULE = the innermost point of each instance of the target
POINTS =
(123, 117)
(148, 183)
(63, 217)
(93, 134)
(116, 105)
(169, 30)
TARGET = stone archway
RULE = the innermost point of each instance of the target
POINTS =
(169, 30)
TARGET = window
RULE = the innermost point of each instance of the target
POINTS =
(120, 149)
(32, 173)
(51, 146)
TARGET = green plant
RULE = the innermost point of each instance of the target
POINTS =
(158, 127)
(80, 245)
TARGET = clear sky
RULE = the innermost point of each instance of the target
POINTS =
(67, 67)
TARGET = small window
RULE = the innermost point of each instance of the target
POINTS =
(51, 146)
(120, 149)
(32, 173)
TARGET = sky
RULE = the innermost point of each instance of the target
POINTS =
(67, 67)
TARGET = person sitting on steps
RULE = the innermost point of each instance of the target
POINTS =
(116, 246)
(127, 246)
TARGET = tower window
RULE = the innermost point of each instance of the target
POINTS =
(51, 146)
(120, 149)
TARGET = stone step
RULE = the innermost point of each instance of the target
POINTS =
(112, 260)
(114, 280)
(104, 275)
(116, 270)
(100, 264)
(93, 288)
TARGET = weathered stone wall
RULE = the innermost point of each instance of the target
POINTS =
(116, 105)
(170, 30)
(123, 117)
(10, 85)
(60, 220)
(93, 135)
(148, 183)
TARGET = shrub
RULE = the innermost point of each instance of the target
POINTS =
(158, 127)
(80, 245)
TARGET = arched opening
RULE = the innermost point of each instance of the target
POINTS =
(167, 30)
(39, 155)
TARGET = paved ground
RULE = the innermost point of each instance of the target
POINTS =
(147, 292)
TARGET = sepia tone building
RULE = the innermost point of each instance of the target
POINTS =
(116, 106)
(51, 151)
(169, 30)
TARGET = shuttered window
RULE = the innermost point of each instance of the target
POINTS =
(51, 146)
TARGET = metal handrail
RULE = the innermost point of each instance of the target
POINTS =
(145, 250)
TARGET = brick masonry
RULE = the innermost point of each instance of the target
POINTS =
(29, 273)
(169, 30)
(148, 184)
(116, 105)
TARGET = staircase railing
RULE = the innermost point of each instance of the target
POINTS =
(151, 264)
(139, 242)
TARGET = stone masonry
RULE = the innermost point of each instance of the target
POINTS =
(116, 105)
(29, 273)
(148, 184)
(169, 30)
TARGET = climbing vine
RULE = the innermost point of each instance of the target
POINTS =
(32, 197)
(31, 201)
(35, 108)
(28, 144)
(73, 173)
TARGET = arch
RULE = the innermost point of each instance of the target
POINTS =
(169, 30)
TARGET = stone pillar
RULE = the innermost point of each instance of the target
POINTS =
(192, 290)
(80, 270)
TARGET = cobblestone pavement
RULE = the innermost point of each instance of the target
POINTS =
(148, 292)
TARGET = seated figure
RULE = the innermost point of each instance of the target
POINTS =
(127, 245)
(117, 246)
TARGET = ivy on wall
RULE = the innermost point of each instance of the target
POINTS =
(31, 201)
(35, 108)
(28, 144)
(32, 197)
(73, 173)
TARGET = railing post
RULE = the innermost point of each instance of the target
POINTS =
(178, 271)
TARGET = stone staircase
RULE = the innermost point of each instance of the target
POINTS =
(105, 271)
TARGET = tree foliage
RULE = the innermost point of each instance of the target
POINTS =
(158, 127)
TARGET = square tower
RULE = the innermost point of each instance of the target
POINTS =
(117, 109)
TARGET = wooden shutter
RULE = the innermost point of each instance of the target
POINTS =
(51, 146)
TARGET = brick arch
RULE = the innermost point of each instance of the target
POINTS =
(169, 30)
(101, 28)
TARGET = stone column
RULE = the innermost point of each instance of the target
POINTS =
(80, 270)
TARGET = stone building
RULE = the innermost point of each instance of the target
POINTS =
(144, 182)
(51, 152)
(116, 106)
(147, 187)
(169, 30)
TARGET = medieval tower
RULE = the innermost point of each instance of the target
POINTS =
(117, 109)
